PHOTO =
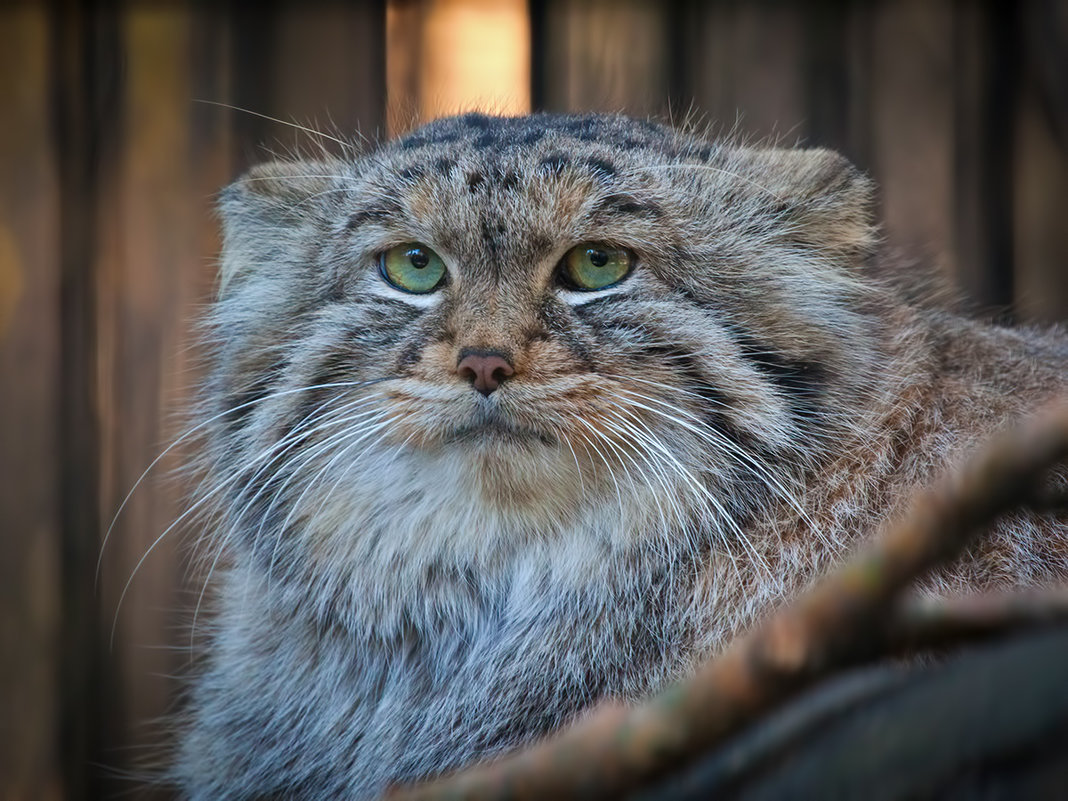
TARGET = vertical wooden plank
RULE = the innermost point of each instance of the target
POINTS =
(86, 76)
(147, 263)
(30, 583)
(912, 128)
(447, 56)
(606, 56)
(476, 55)
(317, 65)
(404, 21)
(1040, 229)
(211, 154)
(746, 68)
(1041, 167)
(329, 66)
(837, 75)
(253, 32)
(985, 109)
(711, 46)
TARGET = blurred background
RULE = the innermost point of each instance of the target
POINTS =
(120, 121)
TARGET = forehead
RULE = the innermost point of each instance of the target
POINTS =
(499, 152)
(495, 135)
(518, 186)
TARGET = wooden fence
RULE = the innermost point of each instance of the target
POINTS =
(108, 169)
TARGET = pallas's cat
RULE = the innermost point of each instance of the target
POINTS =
(511, 415)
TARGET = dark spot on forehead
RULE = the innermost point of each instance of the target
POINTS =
(506, 179)
(475, 180)
(413, 142)
(620, 203)
(554, 163)
(412, 173)
(532, 137)
(442, 166)
(492, 237)
(372, 214)
(475, 120)
(484, 131)
(486, 139)
(540, 243)
(428, 136)
(579, 126)
(600, 167)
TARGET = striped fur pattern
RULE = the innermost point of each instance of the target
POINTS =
(410, 575)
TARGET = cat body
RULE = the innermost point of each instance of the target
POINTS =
(454, 518)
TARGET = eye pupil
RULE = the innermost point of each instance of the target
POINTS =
(418, 258)
(598, 258)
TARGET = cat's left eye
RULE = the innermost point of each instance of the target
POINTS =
(592, 266)
(412, 268)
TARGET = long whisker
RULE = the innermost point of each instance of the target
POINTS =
(360, 433)
(717, 504)
(306, 427)
(683, 418)
(201, 426)
(293, 465)
(604, 460)
(346, 145)
(713, 438)
(341, 416)
(617, 424)
(207, 496)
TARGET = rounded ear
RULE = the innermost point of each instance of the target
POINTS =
(824, 200)
(263, 211)
(287, 180)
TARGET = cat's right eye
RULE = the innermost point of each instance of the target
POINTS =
(412, 267)
(592, 266)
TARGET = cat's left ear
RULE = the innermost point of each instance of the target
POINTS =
(824, 201)
(263, 213)
(282, 182)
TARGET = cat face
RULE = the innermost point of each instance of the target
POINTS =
(498, 336)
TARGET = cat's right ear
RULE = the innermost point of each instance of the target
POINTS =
(266, 209)
(820, 198)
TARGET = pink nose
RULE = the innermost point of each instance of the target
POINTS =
(486, 370)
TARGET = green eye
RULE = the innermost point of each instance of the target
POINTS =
(593, 266)
(412, 268)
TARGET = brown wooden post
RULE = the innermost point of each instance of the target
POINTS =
(31, 587)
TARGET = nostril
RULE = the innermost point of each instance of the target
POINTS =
(501, 372)
(486, 370)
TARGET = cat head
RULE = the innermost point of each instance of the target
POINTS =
(498, 337)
